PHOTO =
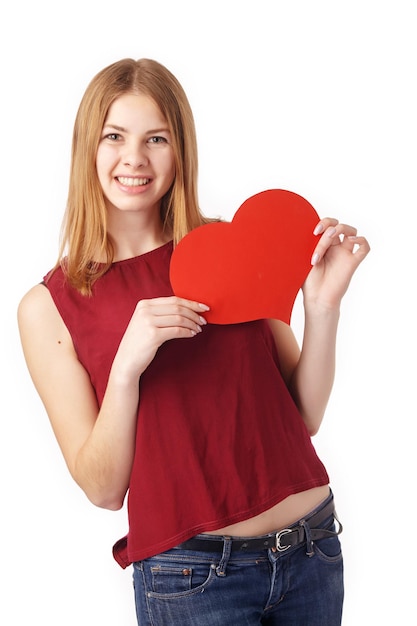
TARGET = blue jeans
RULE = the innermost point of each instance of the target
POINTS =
(184, 588)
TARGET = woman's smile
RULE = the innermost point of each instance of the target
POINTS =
(133, 182)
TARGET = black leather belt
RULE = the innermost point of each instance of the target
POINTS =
(279, 541)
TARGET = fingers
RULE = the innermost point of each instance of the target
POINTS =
(359, 246)
(175, 300)
(334, 233)
(180, 317)
(324, 224)
(331, 228)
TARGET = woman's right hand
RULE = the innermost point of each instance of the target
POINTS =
(153, 322)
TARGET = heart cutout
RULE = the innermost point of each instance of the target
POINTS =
(252, 267)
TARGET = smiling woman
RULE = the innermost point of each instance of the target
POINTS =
(135, 168)
(135, 162)
(86, 238)
(206, 427)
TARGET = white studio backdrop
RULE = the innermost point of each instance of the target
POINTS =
(315, 97)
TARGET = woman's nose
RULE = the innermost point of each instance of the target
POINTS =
(135, 156)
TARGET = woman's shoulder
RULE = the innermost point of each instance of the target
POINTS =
(34, 296)
(36, 307)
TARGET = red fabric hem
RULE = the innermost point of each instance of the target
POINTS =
(124, 557)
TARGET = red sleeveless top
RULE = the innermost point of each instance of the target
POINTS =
(219, 438)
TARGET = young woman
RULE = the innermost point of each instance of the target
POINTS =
(208, 427)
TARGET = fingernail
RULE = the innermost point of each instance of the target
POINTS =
(315, 258)
(204, 306)
(331, 232)
(318, 229)
(202, 320)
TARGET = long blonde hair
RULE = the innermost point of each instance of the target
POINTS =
(84, 234)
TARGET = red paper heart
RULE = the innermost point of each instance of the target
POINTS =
(252, 267)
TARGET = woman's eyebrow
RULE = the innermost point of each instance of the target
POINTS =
(124, 130)
(115, 127)
(158, 130)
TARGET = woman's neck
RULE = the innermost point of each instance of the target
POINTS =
(131, 236)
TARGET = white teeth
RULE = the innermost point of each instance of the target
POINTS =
(132, 182)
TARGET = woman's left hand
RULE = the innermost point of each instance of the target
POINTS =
(335, 259)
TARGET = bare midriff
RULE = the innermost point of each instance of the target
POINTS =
(279, 516)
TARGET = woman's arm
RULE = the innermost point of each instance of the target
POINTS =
(97, 444)
(309, 373)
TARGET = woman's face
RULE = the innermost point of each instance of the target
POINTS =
(135, 158)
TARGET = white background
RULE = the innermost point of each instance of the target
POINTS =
(317, 97)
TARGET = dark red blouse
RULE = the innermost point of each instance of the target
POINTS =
(219, 438)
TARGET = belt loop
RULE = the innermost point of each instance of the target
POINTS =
(309, 541)
(339, 523)
(227, 549)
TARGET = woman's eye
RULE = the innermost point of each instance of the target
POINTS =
(113, 136)
(157, 139)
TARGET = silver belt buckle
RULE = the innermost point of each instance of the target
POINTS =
(278, 536)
